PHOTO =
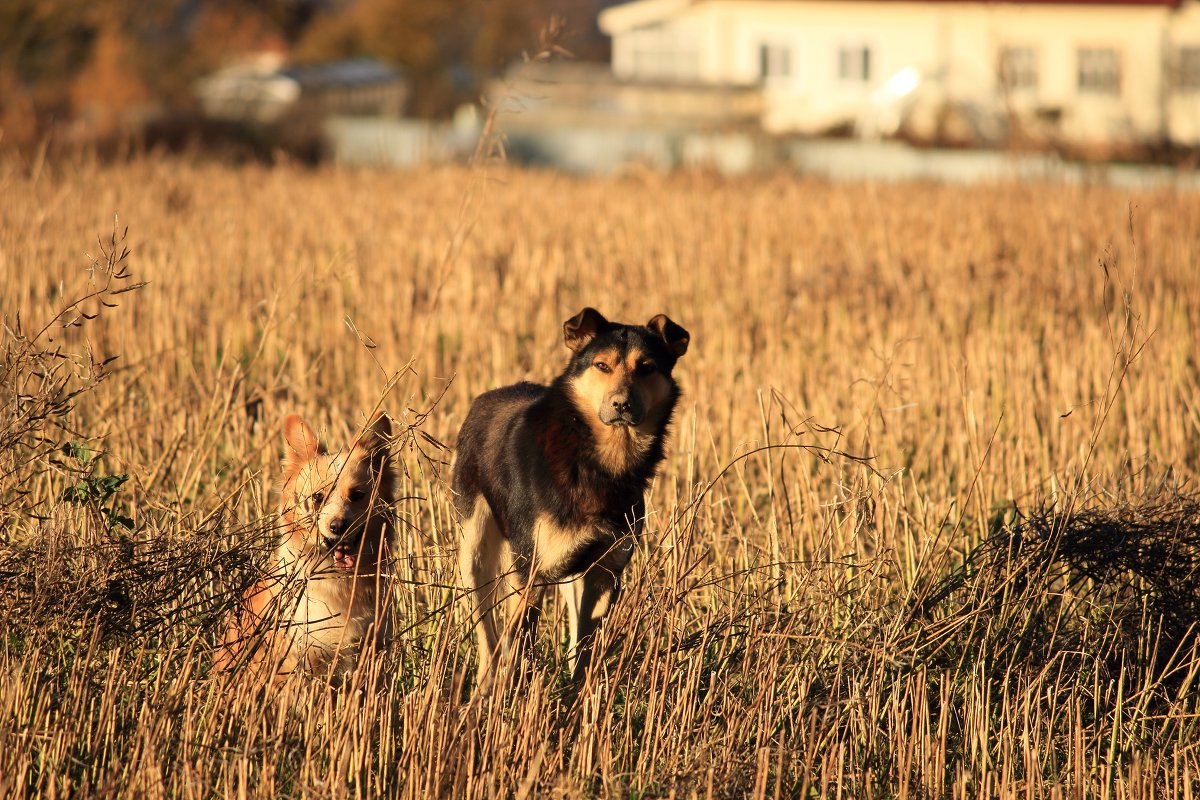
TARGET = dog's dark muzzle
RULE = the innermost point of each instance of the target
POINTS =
(622, 409)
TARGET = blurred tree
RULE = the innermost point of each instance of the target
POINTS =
(290, 17)
(108, 62)
(225, 32)
(43, 43)
(108, 96)
(448, 47)
(80, 61)
(105, 65)
(420, 36)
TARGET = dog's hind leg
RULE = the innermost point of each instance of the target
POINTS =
(479, 571)
(523, 595)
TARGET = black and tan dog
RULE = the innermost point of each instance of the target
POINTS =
(550, 480)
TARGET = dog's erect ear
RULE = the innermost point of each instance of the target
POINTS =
(375, 443)
(674, 335)
(377, 435)
(302, 444)
(582, 328)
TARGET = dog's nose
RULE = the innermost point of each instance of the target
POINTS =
(337, 526)
(621, 403)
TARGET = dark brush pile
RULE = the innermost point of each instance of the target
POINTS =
(1110, 583)
(1145, 553)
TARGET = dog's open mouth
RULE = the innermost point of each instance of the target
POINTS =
(344, 554)
(345, 558)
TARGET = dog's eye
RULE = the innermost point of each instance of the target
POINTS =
(354, 495)
(317, 499)
(600, 365)
(645, 368)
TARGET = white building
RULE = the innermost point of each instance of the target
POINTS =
(1090, 72)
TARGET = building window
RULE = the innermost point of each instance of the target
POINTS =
(659, 53)
(774, 61)
(854, 64)
(1099, 70)
(1187, 76)
(1018, 68)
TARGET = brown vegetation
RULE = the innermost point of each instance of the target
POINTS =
(997, 601)
(101, 71)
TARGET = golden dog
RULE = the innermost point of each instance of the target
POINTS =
(325, 595)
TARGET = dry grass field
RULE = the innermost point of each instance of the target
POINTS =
(927, 527)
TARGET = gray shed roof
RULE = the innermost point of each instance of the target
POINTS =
(341, 74)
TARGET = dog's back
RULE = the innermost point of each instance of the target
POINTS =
(488, 440)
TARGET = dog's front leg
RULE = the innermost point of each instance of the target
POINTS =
(589, 598)
(523, 611)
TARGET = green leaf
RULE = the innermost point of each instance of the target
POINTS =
(78, 451)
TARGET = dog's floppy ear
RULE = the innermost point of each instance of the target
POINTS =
(674, 335)
(302, 444)
(582, 328)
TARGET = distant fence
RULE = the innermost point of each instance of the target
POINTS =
(604, 150)
(855, 160)
(382, 142)
(367, 141)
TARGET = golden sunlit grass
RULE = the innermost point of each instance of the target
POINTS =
(963, 567)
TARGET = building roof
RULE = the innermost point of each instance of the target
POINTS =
(642, 12)
(342, 74)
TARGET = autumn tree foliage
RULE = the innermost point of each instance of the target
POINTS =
(91, 69)
(87, 69)
(448, 48)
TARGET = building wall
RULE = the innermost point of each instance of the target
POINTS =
(954, 47)
(819, 90)
(1183, 103)
(1057, 34)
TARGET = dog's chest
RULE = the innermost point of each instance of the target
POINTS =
(556, 551)
(332, 613)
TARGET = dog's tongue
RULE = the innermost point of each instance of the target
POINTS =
(343, 557)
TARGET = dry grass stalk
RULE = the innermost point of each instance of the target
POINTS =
(799, 622)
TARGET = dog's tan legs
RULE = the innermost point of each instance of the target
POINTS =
(479, 571)
(571, 593)
(521, 602)
(588, 598)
